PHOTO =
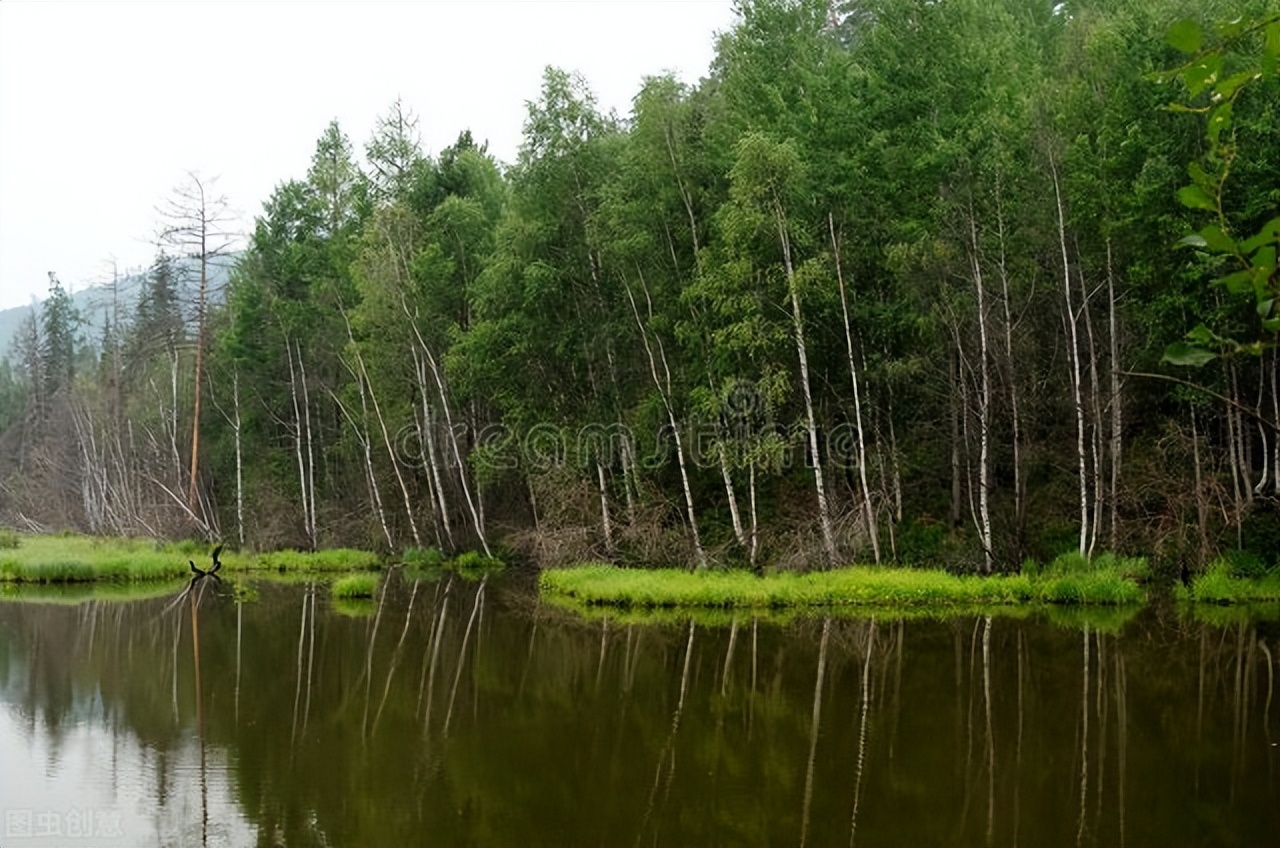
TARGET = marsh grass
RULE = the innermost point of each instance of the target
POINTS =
(880, 587)
(426, 559)
(355, 586)
(82, 559)
(330, 559)
(1220, 584)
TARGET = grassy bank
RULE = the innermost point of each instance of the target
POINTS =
(355, 586)
(856, 586)
(1224, 582)
(84, 559)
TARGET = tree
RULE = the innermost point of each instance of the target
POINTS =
(196, 224)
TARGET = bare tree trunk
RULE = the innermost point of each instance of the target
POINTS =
(956, 475)
(1117, 404)
(738, 532)
(824, 513)
(391, 453)
(1019, 483)
(664, 390)
(361, 430)
(298, 435)
(868, 508)
(235, 428)
(199, 379)
(1073, 357)
(984, 404)
(1095, 406)
(1202, 504)
(429, 441)
(312, 530)
(1275, 411)
(605, 521)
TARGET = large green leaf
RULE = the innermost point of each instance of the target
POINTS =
(1194, 197)
(1181, 353)
(1184, 36)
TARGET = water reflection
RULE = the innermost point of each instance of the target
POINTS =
(449, 711)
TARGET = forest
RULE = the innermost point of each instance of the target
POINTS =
(949, 283)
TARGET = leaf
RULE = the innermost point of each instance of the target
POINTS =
(1198, 175)
(1216, 240)
(1194, 240)
(1220, 120)
(1229, 86)
(1181, 353)
(1239, 282)
(1264, 260)
(1267, 233)
(1194, 197)
(1265, 307)
(1184, 36)
(1202, 335)
(1271, 49)
(1200, 75)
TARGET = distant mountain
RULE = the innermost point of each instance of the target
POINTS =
(95, 303)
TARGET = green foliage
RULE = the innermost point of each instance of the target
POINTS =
(9, 539)
(331, 559)
(1218, 78)
(475, 560)
(356, 586)
(423, 557)
(1219, 584)
(602, 584)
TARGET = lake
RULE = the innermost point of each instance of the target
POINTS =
(465, 712)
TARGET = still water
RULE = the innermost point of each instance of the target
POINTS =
(455, 712)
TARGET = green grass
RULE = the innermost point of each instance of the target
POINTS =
(1221, 584)
(355, 586)
(857, 586)
(9, 539)
(432, 558)
(83, 559)
(330, 559)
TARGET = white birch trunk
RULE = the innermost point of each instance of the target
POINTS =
(297, 443)
(235, 428)
(868, 508)
(1117, 404)
(1073, 357)
(605, 520)
(664, 391)
(824, 513)
(984, 405)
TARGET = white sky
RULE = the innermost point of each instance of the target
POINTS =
(105, 105)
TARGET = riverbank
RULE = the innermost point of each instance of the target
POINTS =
(1114, 582)
(86, 559)
(1225, 583)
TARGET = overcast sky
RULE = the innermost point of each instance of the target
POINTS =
(104, 106)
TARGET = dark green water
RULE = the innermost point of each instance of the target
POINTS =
(454, 716)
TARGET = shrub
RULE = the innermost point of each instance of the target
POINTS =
(8, 540)
(423, 557)
(475, 559)
(355, 586)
